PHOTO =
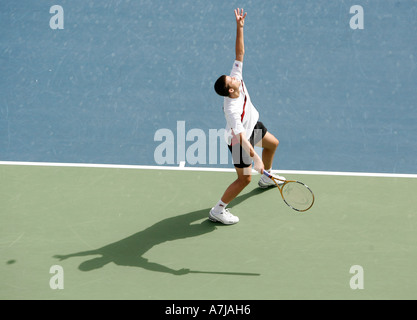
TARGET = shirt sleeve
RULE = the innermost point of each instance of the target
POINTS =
(233, 120)
(237, 70)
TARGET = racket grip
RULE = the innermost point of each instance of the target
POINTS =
(267, 174)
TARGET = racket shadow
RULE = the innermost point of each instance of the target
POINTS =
(129, 251)
(243, 197)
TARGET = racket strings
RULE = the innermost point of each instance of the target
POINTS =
(297, 195)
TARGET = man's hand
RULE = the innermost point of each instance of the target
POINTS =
(181, 272)
(240, 18)
(258, 164)
(61, 257)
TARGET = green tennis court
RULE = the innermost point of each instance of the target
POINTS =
(144, 234)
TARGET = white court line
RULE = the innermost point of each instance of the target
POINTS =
(182, 167)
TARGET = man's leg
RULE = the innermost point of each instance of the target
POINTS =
(269, 144)
(243, 179)
(219, 211)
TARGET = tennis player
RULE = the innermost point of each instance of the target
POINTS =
(243, 132)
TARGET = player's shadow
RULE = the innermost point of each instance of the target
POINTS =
(130, 250)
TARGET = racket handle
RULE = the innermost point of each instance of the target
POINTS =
(267, 174)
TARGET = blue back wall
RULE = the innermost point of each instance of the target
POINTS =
(96, 91)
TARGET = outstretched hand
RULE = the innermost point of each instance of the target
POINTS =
(240, 18)
(60, 257)
(181, 272)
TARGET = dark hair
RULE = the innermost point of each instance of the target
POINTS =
(220, 86)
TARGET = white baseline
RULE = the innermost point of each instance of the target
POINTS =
(182, 167)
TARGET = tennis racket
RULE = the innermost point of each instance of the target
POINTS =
(294, 193)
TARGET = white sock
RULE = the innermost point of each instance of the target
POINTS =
(219, 207)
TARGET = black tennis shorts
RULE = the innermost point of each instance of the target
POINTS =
(240, 157)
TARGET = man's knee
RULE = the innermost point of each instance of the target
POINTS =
(245, 179)
(270, 142)
(275, 142)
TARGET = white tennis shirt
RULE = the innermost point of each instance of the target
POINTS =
(241, 115)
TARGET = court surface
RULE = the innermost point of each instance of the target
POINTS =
(144, 234)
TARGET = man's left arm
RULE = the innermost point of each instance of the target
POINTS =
(240, 44)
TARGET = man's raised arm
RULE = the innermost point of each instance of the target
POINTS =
(240, 22)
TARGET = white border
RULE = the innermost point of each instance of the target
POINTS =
(182, 167)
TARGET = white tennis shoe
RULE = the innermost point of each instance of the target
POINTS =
(265, 182)
(224, 217)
